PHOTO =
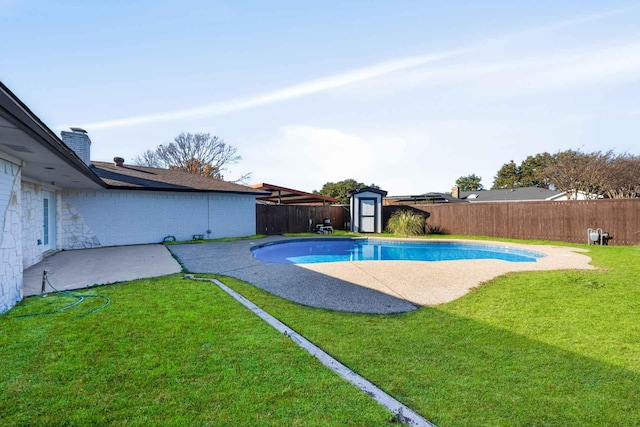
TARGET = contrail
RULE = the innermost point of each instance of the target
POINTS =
(333, 82)
(291, 92)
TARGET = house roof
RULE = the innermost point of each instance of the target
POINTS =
(515, 194)
(288, 196)
(44, 157)
(145, 178)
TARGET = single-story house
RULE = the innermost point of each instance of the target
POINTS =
(53, 197)
(522, 194)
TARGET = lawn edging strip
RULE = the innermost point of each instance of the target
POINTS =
(402, 413)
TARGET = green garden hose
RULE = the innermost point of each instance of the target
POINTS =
(80, 298)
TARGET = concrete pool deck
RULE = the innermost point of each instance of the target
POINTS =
(368, 286)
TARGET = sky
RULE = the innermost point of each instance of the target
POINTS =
(407, 95)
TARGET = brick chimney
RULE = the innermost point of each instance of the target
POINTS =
(455, 192)
(78, 141)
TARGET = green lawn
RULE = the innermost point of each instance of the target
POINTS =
(222, 239)
(552, 348)
(169, 352)
(336, 233)
(532, 349)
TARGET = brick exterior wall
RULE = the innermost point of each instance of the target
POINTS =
(128, 217)
(88, 219)
(80, 143)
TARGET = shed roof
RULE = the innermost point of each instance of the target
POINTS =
(365, 189)
(147, 178)
(289, 196)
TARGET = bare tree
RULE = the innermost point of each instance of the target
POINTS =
(623, 177)
(198, 153)
(148, 158)
(596, 174)
(577, 172)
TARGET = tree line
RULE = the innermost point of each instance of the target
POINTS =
(595, 174)
(339, 189)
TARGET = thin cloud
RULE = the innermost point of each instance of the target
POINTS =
(618, 64)
(574, 21)
(291, 92)
(612, 65)
(333, 82)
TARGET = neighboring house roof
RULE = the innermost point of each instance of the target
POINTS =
(515, 194)
(287, 196)
(146, 178)
(507, 195)
(432, 197)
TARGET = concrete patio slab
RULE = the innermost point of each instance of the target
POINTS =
(82, 268)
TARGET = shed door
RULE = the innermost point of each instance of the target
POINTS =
(368, 211)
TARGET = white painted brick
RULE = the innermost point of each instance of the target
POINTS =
(126, 217)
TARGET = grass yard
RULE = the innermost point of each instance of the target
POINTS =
(169, 352)
(557, 348)
(553, 348)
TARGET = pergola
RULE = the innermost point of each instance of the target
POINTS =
(287, 196)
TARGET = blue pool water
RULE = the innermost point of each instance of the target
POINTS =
(310, 251)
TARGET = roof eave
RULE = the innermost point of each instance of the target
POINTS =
(22, 117)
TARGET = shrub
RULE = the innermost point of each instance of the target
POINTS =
(406, 223)
(434, 229)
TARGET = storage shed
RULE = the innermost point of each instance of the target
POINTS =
(366, 210)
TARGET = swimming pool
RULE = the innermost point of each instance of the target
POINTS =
(313, 251)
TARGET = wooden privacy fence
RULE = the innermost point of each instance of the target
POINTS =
(565, 221)
(278, 219)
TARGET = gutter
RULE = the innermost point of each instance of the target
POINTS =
(182, 190)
